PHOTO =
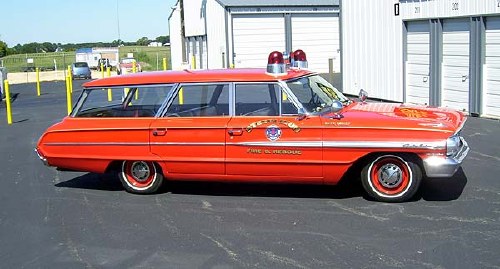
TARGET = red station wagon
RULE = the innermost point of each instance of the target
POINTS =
(276, 125)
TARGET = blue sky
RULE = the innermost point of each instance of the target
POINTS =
(70, 21)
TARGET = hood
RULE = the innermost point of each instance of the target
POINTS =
(403, 116)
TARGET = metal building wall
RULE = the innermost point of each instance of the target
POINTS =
(419, 9)
(175, 39)
(216, 35)
(372, 49)
(194, 17)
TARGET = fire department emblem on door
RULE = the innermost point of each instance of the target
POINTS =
(273, 133)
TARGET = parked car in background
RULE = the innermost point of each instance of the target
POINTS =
(126, 65)
(274, 125)
(80, 70)
(105, 64)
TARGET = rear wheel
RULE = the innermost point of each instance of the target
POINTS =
(140, 176)
(391, 178)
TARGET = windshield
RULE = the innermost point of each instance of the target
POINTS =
(128, 60)
(315, 93)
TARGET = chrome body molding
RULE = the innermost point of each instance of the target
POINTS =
(187, 144)
(42, 158)
(79, 144)
(431, 145)
(439, 166)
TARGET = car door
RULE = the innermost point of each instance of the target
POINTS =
(267, 141)
(190, 136)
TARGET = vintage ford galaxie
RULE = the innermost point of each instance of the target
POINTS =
(277, 125)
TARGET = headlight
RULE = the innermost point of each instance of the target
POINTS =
(453, 145)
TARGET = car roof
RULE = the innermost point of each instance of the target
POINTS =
(197, 76)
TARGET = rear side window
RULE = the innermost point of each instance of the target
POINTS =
(122, 101)
(200, 101)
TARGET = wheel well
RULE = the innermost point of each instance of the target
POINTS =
(354, 172)
(115, 166)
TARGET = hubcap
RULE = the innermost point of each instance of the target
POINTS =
(390, 175)
(140, 171)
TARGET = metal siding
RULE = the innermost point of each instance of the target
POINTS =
(411, 9)
(491, 94)
(216, 35)
(372, 55)
(175, 40)
(418, 62)
(318, 36)
(252, 43)
(194, 14)
(455, 65)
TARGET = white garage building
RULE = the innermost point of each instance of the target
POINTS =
(435, 52)
(225, 33)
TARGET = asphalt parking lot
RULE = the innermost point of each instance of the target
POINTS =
(52, 219)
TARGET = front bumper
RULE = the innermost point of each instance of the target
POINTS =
(437, 166)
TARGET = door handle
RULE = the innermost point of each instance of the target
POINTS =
(235, 132)
(159, 131)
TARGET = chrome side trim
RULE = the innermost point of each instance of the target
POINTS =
(41, 157)
(97, 144)
(432, 145)
(187, 144)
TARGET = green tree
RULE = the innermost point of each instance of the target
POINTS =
(3, 49)
(143, 41)
(163, 39)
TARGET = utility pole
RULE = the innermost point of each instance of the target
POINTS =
(183, 32)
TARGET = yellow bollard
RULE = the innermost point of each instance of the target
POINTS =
(231, 66)
(164, 64)
(7, 102)
(134, 67)
(102, 70)
(70, 81)
(68, 94)
(110, 93)
(181, 96)
(285, 96)
(37, 81)
(193, 62)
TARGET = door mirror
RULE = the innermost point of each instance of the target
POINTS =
(336, 106)
(363, 95)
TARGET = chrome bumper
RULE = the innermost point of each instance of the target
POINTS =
(437, 166)
(42, 158)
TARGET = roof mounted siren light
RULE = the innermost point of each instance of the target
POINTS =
(299, 59)
(276, 63)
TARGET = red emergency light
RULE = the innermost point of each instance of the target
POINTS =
(299, 59)
(276, 63)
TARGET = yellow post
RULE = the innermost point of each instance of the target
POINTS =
(110, 93)
(134, 67)
(285, 97)
(68, 93)
(231, 66)
(70, 79)
(181, 96)
(164, 64)
(102, 70)
(7, 101)
(37, 81)
(193, 62)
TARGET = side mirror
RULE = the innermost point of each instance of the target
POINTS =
(363, 95)
(336, 106)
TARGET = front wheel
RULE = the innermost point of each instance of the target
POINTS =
(140, 176)
(391, 178)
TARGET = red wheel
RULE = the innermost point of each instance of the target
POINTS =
(390, 178)
(140, 176)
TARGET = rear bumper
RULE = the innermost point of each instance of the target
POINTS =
(437, 166)
(42, 158)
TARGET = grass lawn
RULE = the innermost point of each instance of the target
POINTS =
(151, 56)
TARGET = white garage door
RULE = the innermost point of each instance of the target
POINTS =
(417, 63)
(255, 36)
(318, 36)
(455, 66)
(491, 97)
